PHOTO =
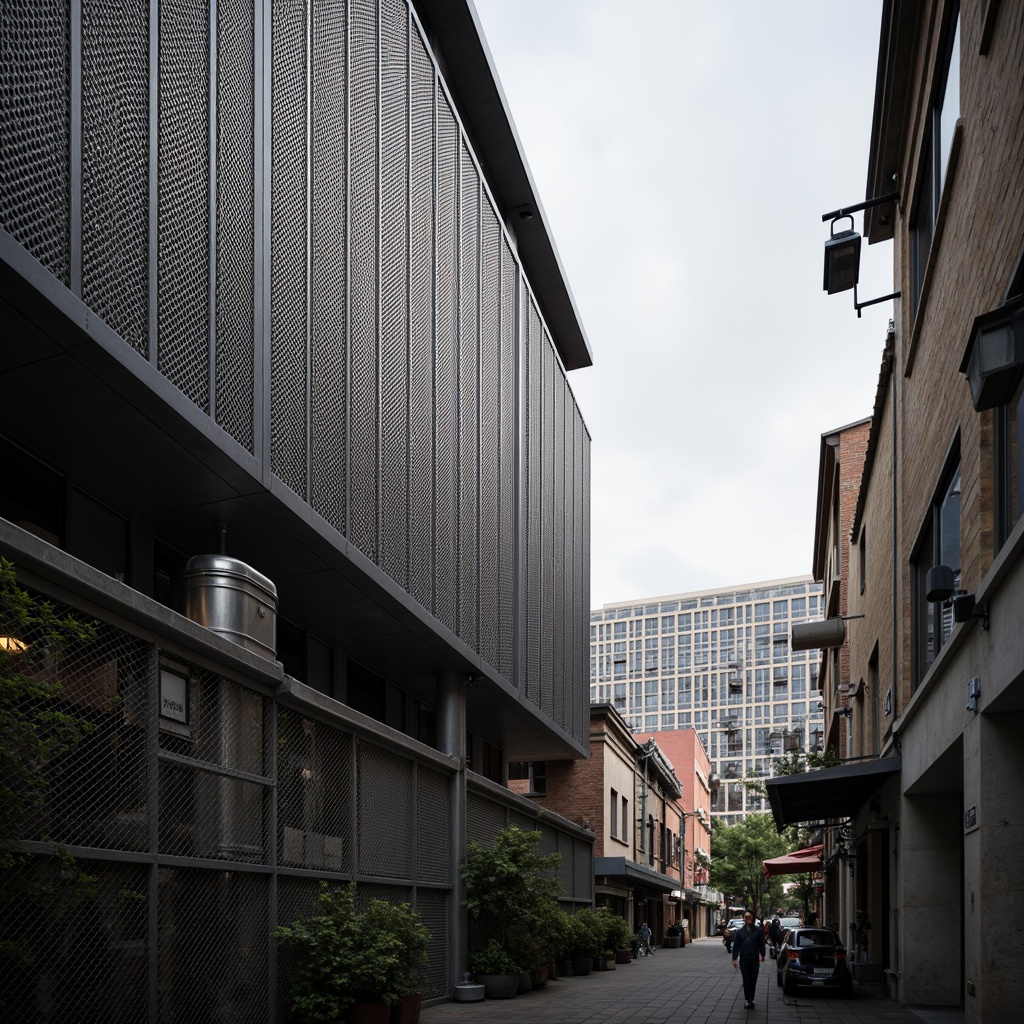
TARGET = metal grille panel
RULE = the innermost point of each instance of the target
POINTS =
(434, 906)
(533, 462)
(83, 928)
(446, 409)
(363, 429)
(550, 696)
(115, 168)
(433, 827)
(583, 869)
(490, 340)
(558, 537)
(213, 937)
(35, 161)
(289, 326)
(421, 340)
(385, 796)
(507, 539)
(235, 343)
(484, 820)
(314, 786)
(329, 283)
(469, 357)
(183, 315)
(393, 269)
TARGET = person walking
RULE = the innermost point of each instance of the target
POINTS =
(645, 940)
(748, 955)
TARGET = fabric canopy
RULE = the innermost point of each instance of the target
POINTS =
(796, 863)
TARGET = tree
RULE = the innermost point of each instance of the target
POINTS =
(737, 856)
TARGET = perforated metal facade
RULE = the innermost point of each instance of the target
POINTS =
(280, 210)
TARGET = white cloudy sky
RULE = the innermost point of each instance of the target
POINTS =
(684, 152)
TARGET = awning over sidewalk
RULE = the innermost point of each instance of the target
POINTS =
(828, 792)
(634, 873)
(796, 863)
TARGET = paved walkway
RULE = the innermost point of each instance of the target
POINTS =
(696, 985)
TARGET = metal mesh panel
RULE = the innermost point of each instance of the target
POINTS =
(566, 870)
(205, 812)
(394, 261)
(433, 906)
(385, 797)
(35, 171)
(115, 166)
(235, 220)
(507, 469)
(183, 320)
(82, 928)
(533, 463)
(548, 839)
(583, 720)
(366, 892)
(214, 932)
(484, 820)
(469, 354)
(296, 898)
(433, 827)
(94, 793)
(550, 697)
(583, 869)
(521, 821)
(329, 284)
(288, 248)
(446, 410)
(421, 368)
(363, 439)
(490, 297)
(314, 794)
(556, 624)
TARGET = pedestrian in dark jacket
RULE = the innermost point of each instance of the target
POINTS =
(748, 955)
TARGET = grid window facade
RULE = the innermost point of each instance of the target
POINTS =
(722, 665)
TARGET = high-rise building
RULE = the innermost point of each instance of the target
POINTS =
(719, 662)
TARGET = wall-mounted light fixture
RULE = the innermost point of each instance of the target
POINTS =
(994, 357)
(842, 252)
(973, 693)
(825, 633)
(966, 607)
(939, 584)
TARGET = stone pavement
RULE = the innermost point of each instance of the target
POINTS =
(697, 984)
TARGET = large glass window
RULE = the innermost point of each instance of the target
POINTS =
(938, 544)
(1009, 454)
(943, 114)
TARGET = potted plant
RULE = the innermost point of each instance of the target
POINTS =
(511, 896)
(351, 964)
(493, 968)
(586, 941)
(673, 937)
(618, 936)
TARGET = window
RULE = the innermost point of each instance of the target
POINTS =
(935, 151)
(938, 544)
(625, 819)
(1009, 446)
(613, 817)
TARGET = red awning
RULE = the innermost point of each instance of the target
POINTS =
(796, 863)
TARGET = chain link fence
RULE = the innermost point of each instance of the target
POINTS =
(149, 858)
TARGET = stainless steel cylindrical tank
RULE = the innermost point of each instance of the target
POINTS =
(232, 599)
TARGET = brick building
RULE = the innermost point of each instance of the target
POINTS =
(932, 817)
(628, 794)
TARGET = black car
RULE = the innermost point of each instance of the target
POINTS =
(813, 958)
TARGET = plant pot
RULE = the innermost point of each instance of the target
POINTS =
(671, 942)
(584, 965)
(499, 986)
(525, 982)
(623, 956)
(607, 963)
(407, 1009)
(539, 977)
(368, 1013)
(565, 969)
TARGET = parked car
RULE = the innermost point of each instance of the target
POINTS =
(814, 958)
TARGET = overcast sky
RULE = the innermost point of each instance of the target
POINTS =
(684, 152)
